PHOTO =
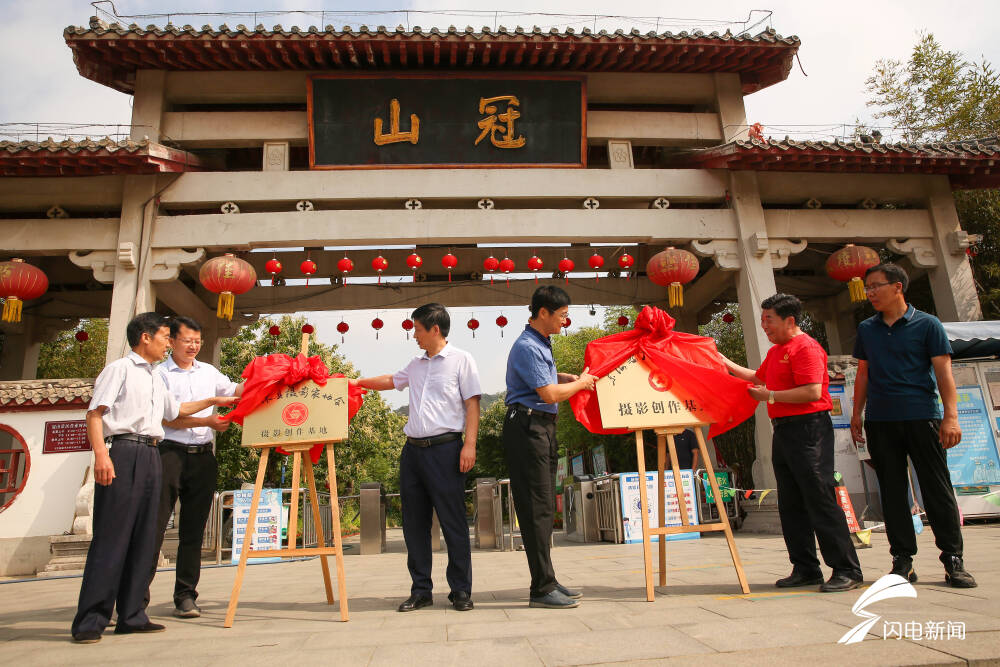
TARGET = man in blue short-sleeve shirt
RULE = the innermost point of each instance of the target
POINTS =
(534, 389)
(897, 350)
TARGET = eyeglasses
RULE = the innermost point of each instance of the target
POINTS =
(196, 342)
(874, 286)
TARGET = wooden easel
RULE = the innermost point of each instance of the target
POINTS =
(297, 449)
(664, 443)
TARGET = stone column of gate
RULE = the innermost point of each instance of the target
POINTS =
(19, 354)
(952, 284)
(754, 283)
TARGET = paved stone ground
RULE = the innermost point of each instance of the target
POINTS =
(699, 618)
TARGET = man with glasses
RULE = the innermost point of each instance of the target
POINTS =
(897, 349)
(189, 465)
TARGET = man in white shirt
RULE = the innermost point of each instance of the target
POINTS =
(124, 425)
(189, 465)
(444, 403)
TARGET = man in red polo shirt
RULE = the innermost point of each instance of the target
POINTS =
(793, 380)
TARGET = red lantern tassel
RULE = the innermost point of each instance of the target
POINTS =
(856, 287)
(225, 308)
(676, 295)
(12, 309)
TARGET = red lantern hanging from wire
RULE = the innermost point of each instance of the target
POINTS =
(473, 324)
(273, 266)
(407, 327)
(565, 266)
(501, 322)
(848, 265)
(414, 261)
(536, 264)
(377, 324)
(345, 265)
(343, 328)
(308, 268)
(81, 338)
(625, 262)
(227, 276)
(566, 324)
(379, 264)
(491, 264)
(275, 331)
(596, 262)
(728, 318)
(449, 262)
(19, 282)
(308, 329)
(507, 267)
(622, 321)
(672, 268)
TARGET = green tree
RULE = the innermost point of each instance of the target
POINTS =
(66, 357)
(940, 95)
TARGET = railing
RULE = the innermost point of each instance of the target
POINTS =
(608, 496)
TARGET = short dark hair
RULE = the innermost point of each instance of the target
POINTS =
(894, 273)
(181, 321)
(549, 297)
(785, 305)
(431, 314)
(144, 323)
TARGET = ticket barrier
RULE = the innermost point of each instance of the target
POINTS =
(608, 508)
(707, 509)
(487, 515)
(580, 510)
(373, 505)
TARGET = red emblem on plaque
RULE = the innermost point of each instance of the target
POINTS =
(660, 381)
(294, 414)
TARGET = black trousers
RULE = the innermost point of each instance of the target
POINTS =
(889, 444)
(429, 480)
(531, 451)
(123, 549)
(802, 455)
(191, 478)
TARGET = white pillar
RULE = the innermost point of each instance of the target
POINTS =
(729, 105)
(952, 283)
(147, 104)
(754, 283)
(211, 342)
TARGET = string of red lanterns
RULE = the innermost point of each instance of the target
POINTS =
(491, 264)
(414, 261)
(377, 324)
(273, 266)
(343, 328)
(536, 264)
(565, 266)
(501, 322)
(379, 264)
(449, 262)
(345, 266)
(308, 268)
(596, 262)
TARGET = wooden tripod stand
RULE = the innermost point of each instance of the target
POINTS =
(297, 449)
(665, 443)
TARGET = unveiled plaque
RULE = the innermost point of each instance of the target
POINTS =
(306, 412)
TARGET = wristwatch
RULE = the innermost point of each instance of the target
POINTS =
(770, 398)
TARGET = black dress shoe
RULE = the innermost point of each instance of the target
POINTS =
(87, 637)
(122, 629)
(955, 573)
(838, 583)
(460, 600)
(796, 579)
(416, 602)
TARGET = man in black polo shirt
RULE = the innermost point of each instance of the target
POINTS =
(896, 350)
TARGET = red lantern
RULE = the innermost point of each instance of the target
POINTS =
(407, 327)
(507, 266)
(622, 321)
(501, 322)
(307, 329)
(535, 263)
(728, 318)
(345, 266)
(491, 264)
(565, 266)
(672, 268)
(20, 281)
(82, 337)
(342, 328)
(414, 261)
(449, 262)
(379, 264)
(473, 324)
(275, 330)
(625, 262)
(273, 266)
(227, 276)
(596, 262)
(308, 267)
(376, 325)
(848, 265)
(566, 324)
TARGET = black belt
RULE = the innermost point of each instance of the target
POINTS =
(433, 440)
(134, 437)
(797, 418)
(184, 447)
(551, 416)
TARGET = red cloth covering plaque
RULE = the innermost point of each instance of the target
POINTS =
(692, 361)
(267, 375)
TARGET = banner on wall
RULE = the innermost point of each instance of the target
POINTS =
(632, 512)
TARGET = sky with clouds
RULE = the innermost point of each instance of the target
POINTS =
(840, 44)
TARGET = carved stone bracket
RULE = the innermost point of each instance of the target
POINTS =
(782, 249)
(724, 253)
(920, 251)
(727, 256)
(166, 262)
(960, 241)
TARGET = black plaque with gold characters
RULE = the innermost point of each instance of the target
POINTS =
(382, 121)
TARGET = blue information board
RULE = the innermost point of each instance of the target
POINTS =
(974, 461)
